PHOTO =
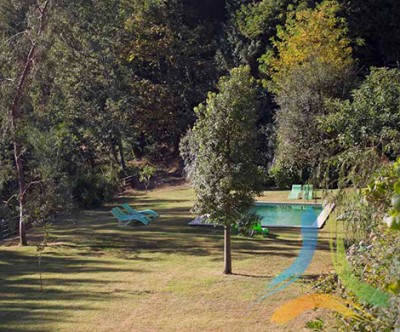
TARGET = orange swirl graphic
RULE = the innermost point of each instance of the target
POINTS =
(296, 307)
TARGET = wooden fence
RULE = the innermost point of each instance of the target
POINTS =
(8, 228)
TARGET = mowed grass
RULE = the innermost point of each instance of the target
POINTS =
(164, 277)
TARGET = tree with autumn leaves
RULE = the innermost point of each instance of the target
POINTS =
(311, 62)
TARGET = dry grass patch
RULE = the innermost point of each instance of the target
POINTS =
(164, 277)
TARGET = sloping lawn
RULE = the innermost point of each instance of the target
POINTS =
(164, 277)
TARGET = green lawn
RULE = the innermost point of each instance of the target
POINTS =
(164, 277)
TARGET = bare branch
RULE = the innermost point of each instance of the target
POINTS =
(8, 201)
(28, 63)
(17, 34)
(30, 185)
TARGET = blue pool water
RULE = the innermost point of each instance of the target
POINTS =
(287, 215)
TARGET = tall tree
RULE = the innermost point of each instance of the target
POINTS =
(370, 120)
(304, 73)
(24, 63)
(311, 34)
(171, 52)
(221, 157)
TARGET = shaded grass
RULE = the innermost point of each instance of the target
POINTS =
(164, 277)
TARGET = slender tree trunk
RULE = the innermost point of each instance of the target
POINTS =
(19, 162)
(18, 146)
(139, 151)
(16, 114)
(227, 250)
(227, 228)
(121, 155)
(114, 152)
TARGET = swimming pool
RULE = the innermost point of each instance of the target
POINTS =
(288, 215)
(284, 215)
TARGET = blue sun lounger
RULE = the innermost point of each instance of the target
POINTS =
(150, 214)
(296, 191)
(308, 192)
(125, 219)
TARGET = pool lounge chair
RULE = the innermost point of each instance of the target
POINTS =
(296, 191)
(308, 192)
(258, 229)
(255, 229)
(150, 214)
(125, 219)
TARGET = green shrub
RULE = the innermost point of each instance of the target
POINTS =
(285, 175)
(315, 325)
(372, 249)
(146, 174)
(92, 189)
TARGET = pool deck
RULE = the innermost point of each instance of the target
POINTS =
(281, 197)
(305, 203)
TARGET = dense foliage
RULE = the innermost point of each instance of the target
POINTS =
(102, 89)
(117, 80)
(95, 91)
(370, 222)
(304, 74)
(371, 119)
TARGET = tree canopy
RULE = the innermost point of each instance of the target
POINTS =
(312, 34)
(222, 157)
(93, 93)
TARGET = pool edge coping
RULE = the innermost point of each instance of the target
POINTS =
(319, 222)
(290, 203)
(324, 215)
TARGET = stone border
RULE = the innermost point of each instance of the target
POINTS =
(324, 215)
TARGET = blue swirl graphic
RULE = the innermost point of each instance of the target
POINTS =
(303, 260)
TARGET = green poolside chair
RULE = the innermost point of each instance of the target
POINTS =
(308, 192)
(126, 219)
(150, 214)
(258, 229)
(296, 191)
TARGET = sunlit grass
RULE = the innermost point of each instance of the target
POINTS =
(167, 276)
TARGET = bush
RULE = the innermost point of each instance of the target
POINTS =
(146, 174)
(92, 189)
(372, 251)
(285, 175)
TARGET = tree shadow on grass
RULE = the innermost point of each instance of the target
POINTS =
(252, 276)
(171, 234)
(95, 233)
(25, 304)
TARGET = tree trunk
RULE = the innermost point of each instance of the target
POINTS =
(121, 155)
(227, 250)
(114, 152)
(21, 192)
(16, 114)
